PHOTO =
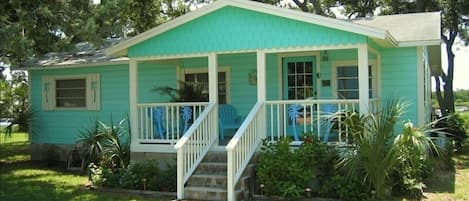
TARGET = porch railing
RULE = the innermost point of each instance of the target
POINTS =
(287, 118)
(194, 145)
(166, 122)
(243, 145)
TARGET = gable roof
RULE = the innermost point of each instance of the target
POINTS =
(408, 29)
(121, 48)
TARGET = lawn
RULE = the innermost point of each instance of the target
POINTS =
(452, 184)
(22, 179)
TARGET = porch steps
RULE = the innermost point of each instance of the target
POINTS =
(209, 181)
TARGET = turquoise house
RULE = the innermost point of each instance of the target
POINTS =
(262, 60)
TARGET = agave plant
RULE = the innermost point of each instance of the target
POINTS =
(106, 144)
(375, 150)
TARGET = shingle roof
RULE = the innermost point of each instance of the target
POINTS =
(83, 53)
(406, 28)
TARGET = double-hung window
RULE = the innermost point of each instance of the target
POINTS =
(347, 81)
(201, 79)
(71, 92)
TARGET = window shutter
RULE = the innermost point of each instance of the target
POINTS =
(48, 91)
(93, 92)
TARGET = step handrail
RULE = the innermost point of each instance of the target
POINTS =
(194, 145)
(243, 145)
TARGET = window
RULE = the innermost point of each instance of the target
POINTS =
(71, 92)
(300, 80)
(201, 78)
(347, 81)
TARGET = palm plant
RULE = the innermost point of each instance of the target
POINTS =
(187, 92)
(375, 150)
(107, 144)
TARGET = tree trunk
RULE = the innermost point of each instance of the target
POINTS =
(317, 7)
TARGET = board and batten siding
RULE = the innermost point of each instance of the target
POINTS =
(399, 78)
(235, 29)
(63, 126)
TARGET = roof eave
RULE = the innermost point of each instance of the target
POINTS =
(419, 43)
(81, 65)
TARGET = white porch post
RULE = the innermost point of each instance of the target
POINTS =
(133, 93)
(261, 90)
(363, 85)
(212, 78)
(213, 90)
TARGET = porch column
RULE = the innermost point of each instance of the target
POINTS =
(363, 85)
(133, 93)
(261, 92)
(261, 82)
(212, 78)
(213, 92)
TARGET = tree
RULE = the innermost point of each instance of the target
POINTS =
(455, 23)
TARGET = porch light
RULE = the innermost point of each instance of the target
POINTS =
(308, 192)
(325, 56)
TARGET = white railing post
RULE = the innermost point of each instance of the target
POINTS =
(180, 173)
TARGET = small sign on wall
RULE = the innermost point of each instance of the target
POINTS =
(326, 83)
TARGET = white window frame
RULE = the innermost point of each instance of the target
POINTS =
(195, 70)
(92, 88)
(374, 76)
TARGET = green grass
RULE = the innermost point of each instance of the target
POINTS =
(451, 183)
(22, 179)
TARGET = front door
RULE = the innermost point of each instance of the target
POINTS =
(299, 80)
(299, 83)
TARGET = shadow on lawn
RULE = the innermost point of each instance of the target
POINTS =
(444, 177)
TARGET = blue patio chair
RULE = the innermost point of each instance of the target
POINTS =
(158, 121)
(328, 110)
(228, 119)
(293, 114)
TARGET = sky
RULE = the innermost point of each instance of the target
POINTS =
(461, 66)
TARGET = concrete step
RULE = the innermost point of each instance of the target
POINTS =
(214, 168)
(208, 180)
(215, 157)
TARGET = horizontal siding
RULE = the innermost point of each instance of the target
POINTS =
(151, 75)
(64, 126)
(236, 29)
(399, 77)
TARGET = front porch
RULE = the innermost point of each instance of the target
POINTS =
(278, 94)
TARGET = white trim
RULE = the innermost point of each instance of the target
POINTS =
(419, 43)
(133, 98)
(169, 57)
(121, 49)
(153, 148)
(280, 57)
(420, 87)
(212, 78)
(374, 75)
(223, 69)
(363, 85)
(261, 76)
(84, 65)
(378, 82)
(49, 96)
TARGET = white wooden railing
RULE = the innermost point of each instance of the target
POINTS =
(194, 145)
(312, 118)
(170, 126)
(243, 145)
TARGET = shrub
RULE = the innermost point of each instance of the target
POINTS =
(343, 188)
(454, 126)
(287, 172)
(141, 175)
(107, 145)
